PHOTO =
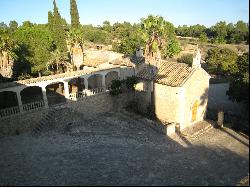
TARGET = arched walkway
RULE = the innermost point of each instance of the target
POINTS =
(95, 81)
(76, 85)
(109, 77)
(31, 94)
(55, 93)
(8, 99)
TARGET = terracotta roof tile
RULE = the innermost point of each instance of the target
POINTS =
(170, 74)
(173, 74)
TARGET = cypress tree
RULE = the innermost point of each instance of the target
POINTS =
(57, 29)
(50, 20)
(74, 14)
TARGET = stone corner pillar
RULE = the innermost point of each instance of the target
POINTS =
(66, 90)
(103, 81)
(220, 119)
(19, 99)
(45, 99)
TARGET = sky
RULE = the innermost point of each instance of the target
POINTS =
(178, 12)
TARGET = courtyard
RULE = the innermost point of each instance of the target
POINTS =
(119, 149)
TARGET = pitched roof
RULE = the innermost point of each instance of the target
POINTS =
(170, 73)
(146, 73)
(173, 74)
(122, 62)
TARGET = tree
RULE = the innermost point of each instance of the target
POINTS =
(220, 30)
(172, 48)
(203, 37)
(27, 24)
(106, 26)
(58, 62)
(13, 25)
(58, 27)
(239, 81)
(7, 46)
(75, 23)
(187, 59)
(155, 31)
(221, 61)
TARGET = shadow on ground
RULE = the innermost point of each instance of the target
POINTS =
(117, 149)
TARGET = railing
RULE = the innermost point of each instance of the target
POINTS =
(78, 95)
(98, 90)
(33, 106)
(9, 111)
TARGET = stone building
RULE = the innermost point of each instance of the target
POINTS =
(178, 93)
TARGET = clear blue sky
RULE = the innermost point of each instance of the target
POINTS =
(178, 12)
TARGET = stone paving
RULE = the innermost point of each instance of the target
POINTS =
(116, 149)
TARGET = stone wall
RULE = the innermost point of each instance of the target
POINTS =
(167, 103)
(21, 122)
(87, 108)
(196, 89)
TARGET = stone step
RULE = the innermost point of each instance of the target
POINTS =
(202, 132)
(142, 120)
(197, 129)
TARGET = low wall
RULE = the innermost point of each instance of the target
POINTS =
(21, 123)
(89, 107)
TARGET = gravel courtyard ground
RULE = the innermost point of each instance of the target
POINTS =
(115, 149)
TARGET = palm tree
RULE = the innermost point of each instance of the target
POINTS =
(7, 47)
(155, 31)
(75, 40)
(58, 60)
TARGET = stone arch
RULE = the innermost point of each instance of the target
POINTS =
(31, 94)
(95, 81)
(55, 93)
(110, 76)
(76, 85)
(8, 99)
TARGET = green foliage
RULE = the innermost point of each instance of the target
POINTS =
(192, 31)
(239, 81)
(173, 48)
(58, 27)
(156, 24)
(13, 25)
(221, 61)
(203, 37)
(58, 62)
(24, 76)
(95, 35)
(106, 26)
(115, 87)
(187, 59)
(129, 44)
(35, 43)
(75, 23)
(219, 33)
(131, 82)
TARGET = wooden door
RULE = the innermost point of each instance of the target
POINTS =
(194, 110)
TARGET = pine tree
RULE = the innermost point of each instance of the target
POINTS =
(74, 14)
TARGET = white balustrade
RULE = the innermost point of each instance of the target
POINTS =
(33, 106)
(98, 90)
(9, 111)
(77, 96)
(80, 95)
